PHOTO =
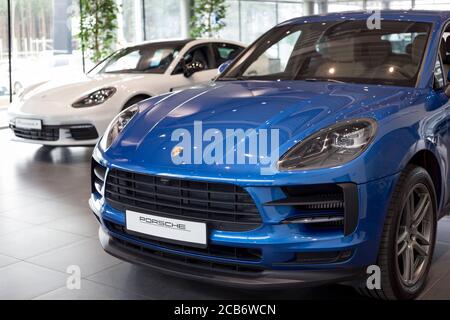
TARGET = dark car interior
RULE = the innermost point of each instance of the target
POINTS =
(208, 56)
(387, 56)
(341, 51)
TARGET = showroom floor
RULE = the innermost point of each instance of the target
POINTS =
(46, 226)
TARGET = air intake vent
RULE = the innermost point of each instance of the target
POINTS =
(98, 173)
(330, 206)
(83, 132)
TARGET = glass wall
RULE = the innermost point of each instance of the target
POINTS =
(162, 19)
(432, 4)
(248, 19)
(339, 6)
(40, 53)
(130, 22)
(4, 70)
(45, 46)
(256, 18)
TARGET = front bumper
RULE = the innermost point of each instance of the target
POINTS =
(266, 279)
(58, 135)
(279, 243)
(79, 128)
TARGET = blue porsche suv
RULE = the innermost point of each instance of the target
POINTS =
(320, 154)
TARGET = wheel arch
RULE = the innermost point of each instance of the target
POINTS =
(136, 97)
(428, 160)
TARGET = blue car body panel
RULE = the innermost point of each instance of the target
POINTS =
(409, 121)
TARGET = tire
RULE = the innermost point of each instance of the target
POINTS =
(399, 242)
(133, 101)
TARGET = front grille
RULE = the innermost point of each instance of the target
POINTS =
(47, 133)
(216, 251)
(83, 132)
(183, 260)
(222, 206)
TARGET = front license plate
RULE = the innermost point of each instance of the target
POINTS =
(29, 124)
(167, 228)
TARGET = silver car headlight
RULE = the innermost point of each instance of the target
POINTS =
(95, 98)
(330, 147)
(117, 126)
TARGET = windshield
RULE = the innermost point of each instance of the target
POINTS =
(143, 59)
(342, 51)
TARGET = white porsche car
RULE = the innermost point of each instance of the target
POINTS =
(77, 111)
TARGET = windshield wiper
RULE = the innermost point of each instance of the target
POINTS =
(322, 80)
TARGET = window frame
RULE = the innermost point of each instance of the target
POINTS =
(441, 66)
(438, 56)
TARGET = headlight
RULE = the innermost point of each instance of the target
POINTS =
(117, 125)
(95, 98)
(330, 147)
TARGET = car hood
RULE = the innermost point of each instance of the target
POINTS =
(296, 108)
(70, 89)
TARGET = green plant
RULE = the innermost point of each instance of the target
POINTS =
(207, 18)
(98, 27)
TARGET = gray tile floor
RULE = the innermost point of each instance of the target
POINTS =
(46, 226)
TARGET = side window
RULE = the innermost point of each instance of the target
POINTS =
(439, 82)
(201, 53)
(127, 61)
(225, 51)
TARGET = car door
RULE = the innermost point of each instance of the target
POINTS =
(440, 121)
(200, 53)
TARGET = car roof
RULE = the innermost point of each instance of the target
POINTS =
(168, 43)
(398, 15)
(216, 40)
(181, 43)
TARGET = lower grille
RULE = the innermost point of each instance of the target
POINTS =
(83, 132)
(211, 251)
(52, 133)
(222, 206)
(189, 261)
(311, 258)
(45, 134)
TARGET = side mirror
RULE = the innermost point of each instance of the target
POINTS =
(193, 67)
(227, 63)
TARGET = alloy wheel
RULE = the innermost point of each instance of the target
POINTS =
(414, 235)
